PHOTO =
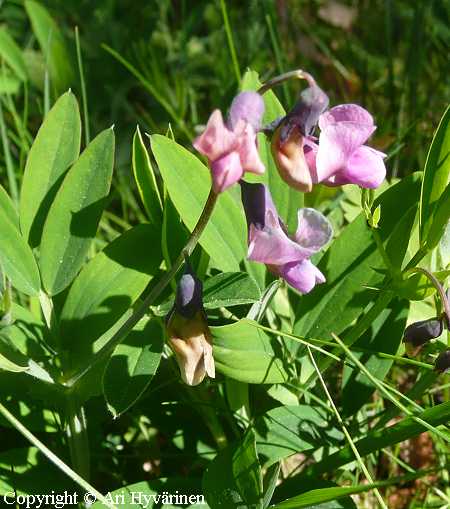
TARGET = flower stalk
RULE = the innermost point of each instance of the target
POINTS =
(141, 310)
(298, 74)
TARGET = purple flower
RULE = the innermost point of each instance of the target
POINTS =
(293, 147)
(231, 148)
(342, 157)
(189, 335)
(270, 244)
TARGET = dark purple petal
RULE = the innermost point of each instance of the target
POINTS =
(419, 333)
(189, 296)
(442, 363)
(257, 201)
(312, 103)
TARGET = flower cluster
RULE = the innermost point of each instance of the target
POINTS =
(338, 156)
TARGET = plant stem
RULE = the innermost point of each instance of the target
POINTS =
(440, 290)
(444, 435)
(123, 331)
(345, 431)
(53, 457)
(298, 73)
(77, 437)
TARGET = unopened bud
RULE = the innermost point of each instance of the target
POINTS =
(419, 333)
(442, 363)
(189, 335)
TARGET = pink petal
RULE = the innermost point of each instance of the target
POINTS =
(247, 106)
(346, 113)
(314, 230)
(302, 276)
(248, 151)
(226, 171)
(216, 140)
(310, 149)
(271, 245)
(365, 168)
(337, 142)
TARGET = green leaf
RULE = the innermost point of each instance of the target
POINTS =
(132, 366)
(188, 182)
(435, 176)
(322, 495)
(55, 148)
(440, 219)
(223, 290)
(145, 180)
(74, 215)
(28, 471)
(313, 497)
(286, 199)
(444, 247)
(12, 54)
(377, 440)
(52, 45)
(352, 262)
(9, 84)
(106, 287)
(290, 429)
(246, 353)
(7, 209)
(247, 472)
(11, 359)
(219, 485)
(16, 259)
(385, 336)
(418, 286)
(230, 289)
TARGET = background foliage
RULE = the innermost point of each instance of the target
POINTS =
(164, 65)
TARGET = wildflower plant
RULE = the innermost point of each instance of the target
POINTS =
(278, 295)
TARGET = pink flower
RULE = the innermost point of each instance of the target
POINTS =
(231, 148)
(342, 157)
(270, 244)
(293, 147)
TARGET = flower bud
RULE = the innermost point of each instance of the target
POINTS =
(442, 363)
(312, 103)
(419, 333)
(189, 335)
